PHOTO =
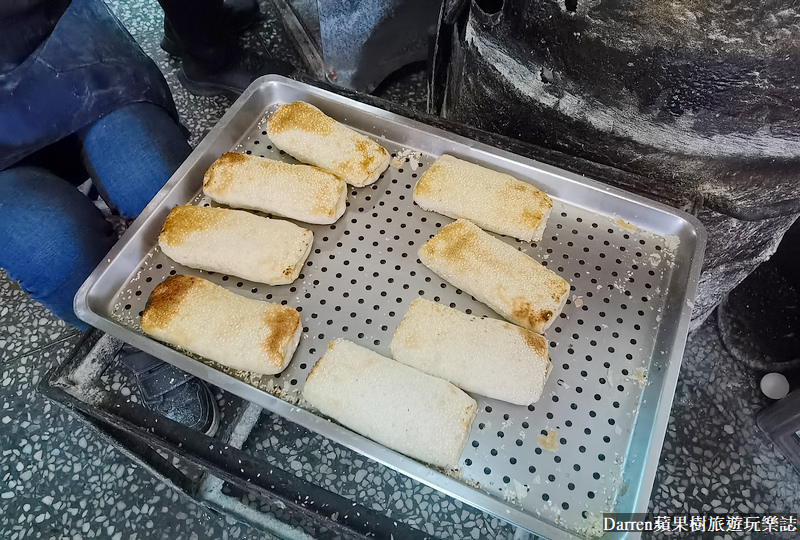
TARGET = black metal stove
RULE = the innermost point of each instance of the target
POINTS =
(692, 103)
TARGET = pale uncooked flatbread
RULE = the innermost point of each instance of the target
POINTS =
(492, 358)
(423, 417)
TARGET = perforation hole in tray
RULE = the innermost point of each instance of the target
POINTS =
(363, 272)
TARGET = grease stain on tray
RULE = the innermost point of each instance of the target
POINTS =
(548, 442)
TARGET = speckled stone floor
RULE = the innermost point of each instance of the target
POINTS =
(59, 479)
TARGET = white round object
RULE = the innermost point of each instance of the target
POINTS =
(774, 386)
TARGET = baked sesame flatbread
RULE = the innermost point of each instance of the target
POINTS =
(309, 135)
(508, 281)
(210, 321)
(236, 242)
(295, 191)
(493, 201)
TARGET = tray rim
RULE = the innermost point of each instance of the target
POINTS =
(352, 440)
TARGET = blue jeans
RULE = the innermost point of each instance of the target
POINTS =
(51, 235)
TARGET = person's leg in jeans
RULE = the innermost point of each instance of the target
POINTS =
(53, 237)
(130, 154)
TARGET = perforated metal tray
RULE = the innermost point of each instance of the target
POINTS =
(616, 349)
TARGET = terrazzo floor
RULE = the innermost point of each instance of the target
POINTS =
(59, 479)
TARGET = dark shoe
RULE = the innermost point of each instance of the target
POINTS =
(169, 43)
(172, 392)
(229, 78)
(225, 69)
(207, 48)
(236, 16)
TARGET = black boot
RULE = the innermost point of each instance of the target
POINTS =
(239, 15)
(236, 16)
(221, 69)
(172, 392)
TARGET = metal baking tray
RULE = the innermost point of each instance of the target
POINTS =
(633, 266)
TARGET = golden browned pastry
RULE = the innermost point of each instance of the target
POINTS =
(309, 135)
(300, 192)
(508, 281)
(211, 321)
